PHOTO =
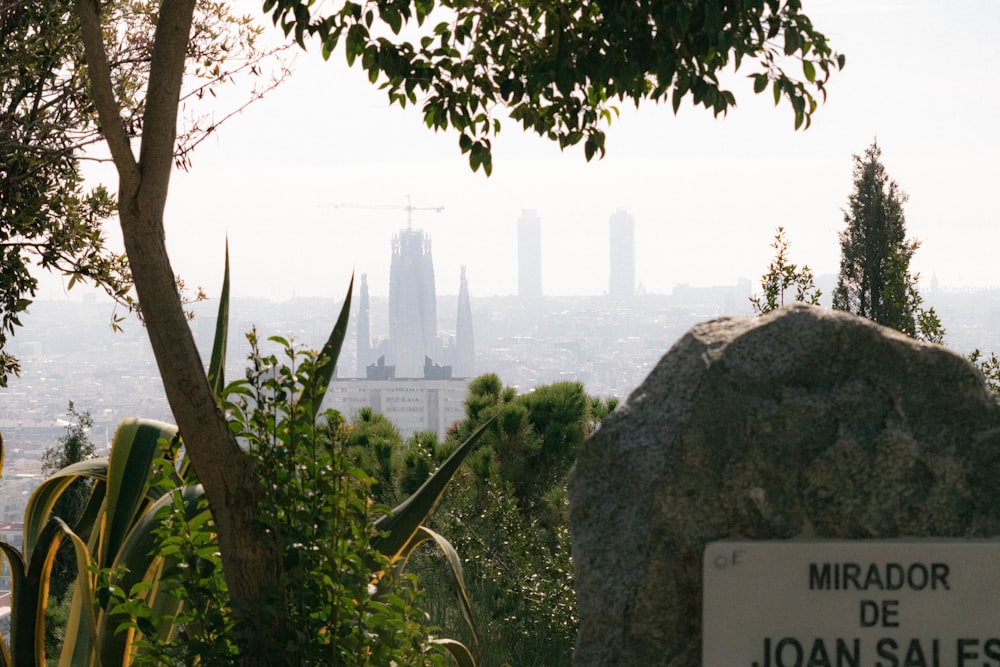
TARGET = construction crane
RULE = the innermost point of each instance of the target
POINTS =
(409, 208)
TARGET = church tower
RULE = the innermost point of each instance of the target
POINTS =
(465, 351)
(364, 329)
(412, 303)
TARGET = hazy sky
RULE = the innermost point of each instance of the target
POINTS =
(706, 194)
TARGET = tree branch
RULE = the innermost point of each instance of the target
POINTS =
(103, 93)
(159, 122)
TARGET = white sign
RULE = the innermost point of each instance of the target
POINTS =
(895, 603)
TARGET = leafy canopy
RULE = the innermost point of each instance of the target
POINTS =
(560, 66)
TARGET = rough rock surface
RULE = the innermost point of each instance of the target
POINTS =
(802, 423)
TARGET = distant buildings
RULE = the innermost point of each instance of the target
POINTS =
(529, 255)
(411, 405)
(407, 377)
(622, 244)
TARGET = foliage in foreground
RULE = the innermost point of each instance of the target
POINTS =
(73, 447)
(150, 588)
(560, 66)
(506, 513)
(989, 366)
(340, 601)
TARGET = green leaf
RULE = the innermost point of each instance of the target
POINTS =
(402, 524)
(217, 362)
(425, 534)
(458, 651)
(135, 445)
(330, 352)
(809, 70)
(759, 82)
(39, 509)
(791, 41)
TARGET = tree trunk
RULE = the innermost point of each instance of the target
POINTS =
(230, 482)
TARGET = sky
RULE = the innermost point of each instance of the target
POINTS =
(311, 182)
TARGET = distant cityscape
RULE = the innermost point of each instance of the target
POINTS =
(409, 355)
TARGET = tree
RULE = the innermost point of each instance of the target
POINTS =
(374, 444)
(557, 65)
(989, 367)
(74, 446)
(47, 217)
(506, 513)
(875, 279)
(71, 448)
(781, 276)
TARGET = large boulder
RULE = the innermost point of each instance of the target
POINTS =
(801, 423)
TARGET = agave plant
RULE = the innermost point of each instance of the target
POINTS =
(117, 531)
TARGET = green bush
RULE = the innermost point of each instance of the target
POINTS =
(339, 601)
(506, 514)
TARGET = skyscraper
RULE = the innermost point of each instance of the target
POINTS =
(465, 352)
(412, 304)
(529, 255)
(622, 244)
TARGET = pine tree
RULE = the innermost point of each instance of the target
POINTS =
(875, 279)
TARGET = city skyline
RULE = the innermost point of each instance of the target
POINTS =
(707, 193)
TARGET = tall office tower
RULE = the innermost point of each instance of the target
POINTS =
(364, 330)
(412, 306)
(465, 348)
(529, 254)
(622, 227)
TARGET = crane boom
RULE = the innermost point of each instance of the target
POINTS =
(409, 208)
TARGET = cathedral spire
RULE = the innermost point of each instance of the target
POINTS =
(463, 364)
(364, 330)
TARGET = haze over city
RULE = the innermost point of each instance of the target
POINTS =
(305, 180)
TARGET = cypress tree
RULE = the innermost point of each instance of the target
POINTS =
(875, 279)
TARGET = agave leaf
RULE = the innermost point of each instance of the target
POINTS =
(81, 623)
(397, 528)
(39, 509)
(15, 561)
(330, 352)
(93, 510)
(137, 556)
(135, 446)
(425, 534)
(459, 652)
(30, 598)
(217, 362)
